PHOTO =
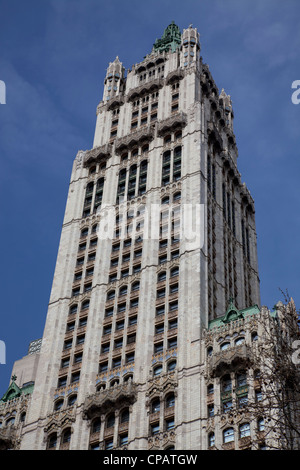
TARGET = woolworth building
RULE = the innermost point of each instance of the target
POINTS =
(154, 322)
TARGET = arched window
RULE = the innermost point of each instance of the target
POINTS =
(225, 346)
(58, 404)
(239, 340)
(261, 424)
(101, 387)
(226, 383)
(254, 336)
(211, 439)
(128, 378)
(72, 400)
(114, 382)
(122, 291)
(228, 435)
(73, 309)
(155, 405)
(244, 430)
(161, 276)
(85, 305)
(241, 378)
(96, 425)
(84, 232)
(66, 436)
(157, 370)
(102, 166)
(52, 441)
(10, 421)
(170, 400)
(110, 295)
(124, 417)
(110, 421)
(135, 286)
(171, 366)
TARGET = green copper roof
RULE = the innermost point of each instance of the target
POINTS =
(171, 39)
(14, 391)
(233, 314)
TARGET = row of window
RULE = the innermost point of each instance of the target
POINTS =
(228, 434)
(10, 419)
(93, 196)
(132, 181)
(228, 384)
(229, 342)
(152, 72)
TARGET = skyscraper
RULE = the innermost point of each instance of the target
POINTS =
(157, 253)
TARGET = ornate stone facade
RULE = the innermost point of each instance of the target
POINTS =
(124, 362)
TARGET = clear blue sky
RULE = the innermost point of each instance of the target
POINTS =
(54, 55)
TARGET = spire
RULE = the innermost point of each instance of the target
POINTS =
(171, 39)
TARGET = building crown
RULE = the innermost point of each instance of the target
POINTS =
(170, 39)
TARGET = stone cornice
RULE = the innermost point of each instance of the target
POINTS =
(101, 401)
(177, 74)
(145, 88)
(96, 154)
(167, 125)
(134, 138)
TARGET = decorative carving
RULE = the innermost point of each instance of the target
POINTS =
(60, 419)
(97, 154)
(169, 124)
(145, 88)
(174, 76)
(230, 358)
(134, 138)
(101, 401)
(162, 440)
(162, 384)
(8, 438)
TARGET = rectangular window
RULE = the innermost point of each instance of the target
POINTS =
(75, 377)
(123, 439)
(103, 367)
(105, 348)
(118, 343)
(172, 343)
(109, 312)
(80, 339)
(129, 358)
(62, 381)
(116, 362)
(131, 339)
(158, 347)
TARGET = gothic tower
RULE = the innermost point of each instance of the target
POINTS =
(158, 238)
